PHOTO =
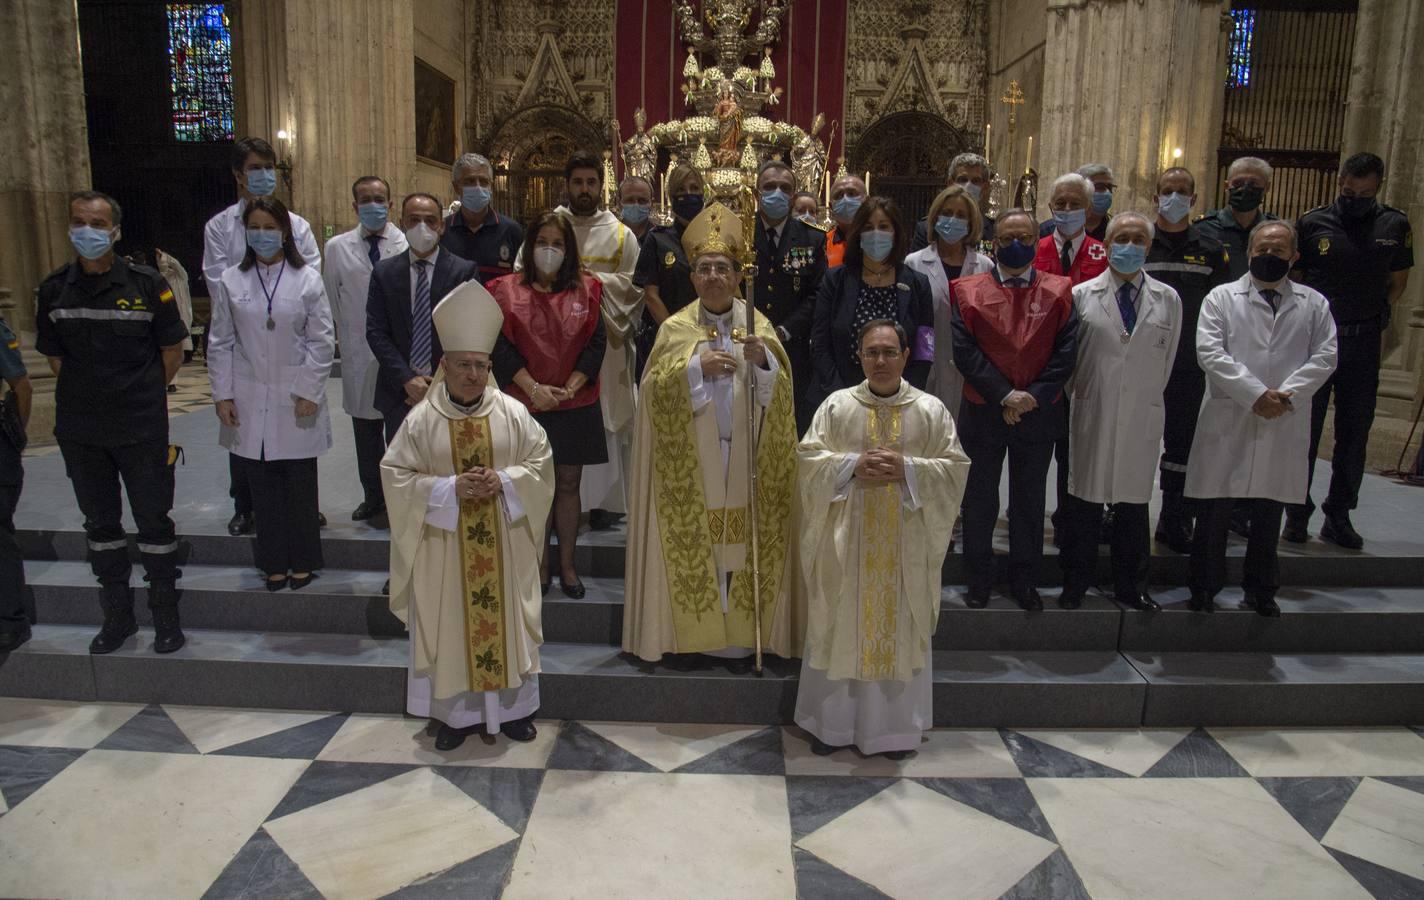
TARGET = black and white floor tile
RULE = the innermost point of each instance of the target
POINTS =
(169, 801)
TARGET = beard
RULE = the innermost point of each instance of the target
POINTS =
(583, 204)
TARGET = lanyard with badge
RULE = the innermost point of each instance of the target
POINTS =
(270, 295)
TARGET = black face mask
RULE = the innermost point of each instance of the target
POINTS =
(1268, 268)
(687, 206)
(1245, 198)
(1354, 207)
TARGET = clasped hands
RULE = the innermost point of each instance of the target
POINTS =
(880, 466)
(1016, 404)
(227, 411)
(477, 484)
(721, 364)
(1273, 404)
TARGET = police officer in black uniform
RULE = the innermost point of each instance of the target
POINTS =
(663, 272)
(115, 340)
(1357, 252)
(791, 258)
(1247, 181)
(14, 416)
(1192, 262)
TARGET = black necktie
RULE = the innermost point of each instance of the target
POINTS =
(771, 243)
(1271, 297)
(1067, 257)
(375, 252)
(1125, 307)
(1017, 282)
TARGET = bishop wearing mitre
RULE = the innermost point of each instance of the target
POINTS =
(468, 481)
(689, 565)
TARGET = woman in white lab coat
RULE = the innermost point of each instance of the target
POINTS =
(956, 223)
(269, 355)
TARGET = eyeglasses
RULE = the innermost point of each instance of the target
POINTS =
(875, 355)
(707, 270)
(471, 368)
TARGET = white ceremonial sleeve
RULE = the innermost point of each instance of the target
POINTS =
(697, 386)
(845, 476)
(765, 379)
(513, 509)
(443, 509)
(910, 489)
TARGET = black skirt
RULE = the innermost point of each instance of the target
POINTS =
(575, 435)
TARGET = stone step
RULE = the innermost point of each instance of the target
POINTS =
(601, 554)
(349, 602)
(585, 681)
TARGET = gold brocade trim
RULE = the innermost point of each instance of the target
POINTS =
(481, 569)
(880, 557)
(615, 259)
(728, 526)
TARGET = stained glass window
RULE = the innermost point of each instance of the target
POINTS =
(1243, 29)
(200, 54)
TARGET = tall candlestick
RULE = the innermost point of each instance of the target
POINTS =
(1028, 158)
(867, 182)
(986, 142)
(826, 189)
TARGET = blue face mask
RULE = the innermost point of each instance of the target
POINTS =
(261, 182)
(1070, 221)
(877, 244)
(373, 216)
(775, 204)
(634, 214)
(1102, 201)
(1174, 207)
(91, 242)
(475, 198)
(972, 189)
(845, 208)
(951, 229)
(1126, 258)
(263, 242)
(1016, 254)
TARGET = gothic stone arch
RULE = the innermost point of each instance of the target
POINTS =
(528, 151)
(908, 154)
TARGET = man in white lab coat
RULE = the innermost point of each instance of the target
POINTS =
(1127, 340)
(1267, 344)
(254, 168)
(347, 273)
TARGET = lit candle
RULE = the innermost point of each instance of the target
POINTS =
(1028, 158)
(986, 142)
(867, 182)
(826, 189)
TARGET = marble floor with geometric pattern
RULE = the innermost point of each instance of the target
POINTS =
(115, 800)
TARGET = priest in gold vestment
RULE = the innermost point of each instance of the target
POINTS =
(881, 477)
(688, 566)
(468, 481)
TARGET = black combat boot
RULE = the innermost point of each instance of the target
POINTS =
(119, 625)
(163, 601)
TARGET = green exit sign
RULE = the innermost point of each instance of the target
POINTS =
(328, 232)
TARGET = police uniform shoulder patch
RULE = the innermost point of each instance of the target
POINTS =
(166, 296)
(670, 259)
(1322, 246)
(504, 253)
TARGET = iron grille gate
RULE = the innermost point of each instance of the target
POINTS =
(1288, 77)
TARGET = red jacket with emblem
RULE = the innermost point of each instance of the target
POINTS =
(553, 334)
(1090, 261)
(1014, 338)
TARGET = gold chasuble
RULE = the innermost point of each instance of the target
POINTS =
(475, 589)
(687, 523)
(872, 553)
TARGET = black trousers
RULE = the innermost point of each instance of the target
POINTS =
(285, 500)
(393, 420)
(1060, 456)
(96, 473)
(370, 447)
(801, 378)
(12, 565)
(1131, 546)
(987, 440)
(1262, 574)
(1355, 384)
(238, 488)
(1182, 401)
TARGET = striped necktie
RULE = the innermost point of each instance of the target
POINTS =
(420, 321)
(1124, 306)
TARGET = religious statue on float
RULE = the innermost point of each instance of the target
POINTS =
(809, 156)
(728, 114)
(640, 153)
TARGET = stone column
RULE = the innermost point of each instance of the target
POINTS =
(1381, 116)
(1127, 82)
(339, 77)
(44, 156)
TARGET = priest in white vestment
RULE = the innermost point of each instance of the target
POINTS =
(608, 250)
(881, 478)
(468, 481)
(689, 585)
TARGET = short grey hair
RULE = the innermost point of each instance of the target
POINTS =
(1075, 181)
(469, 161)
(1123, 219)
(967, 161)
(1093, 170)
(1249, 164)
(631, 178)
(1287, 224)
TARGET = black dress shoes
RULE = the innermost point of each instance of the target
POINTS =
(521, 730)
(976, 599)
(1071, 598)
(1338, 530)
(740, 665)
(1201, 601)
(321, 520)
(573, 591)
(367, 510)
(240, 524)
(12, 638)
(448, 738)
(821, 748)
(686, 662)
(1297, 529)
(1140, 602)
(1264, 605)
(297, 584)
(1028, 599)
(897, 755)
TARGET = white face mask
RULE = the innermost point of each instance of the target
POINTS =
(548, 260)
(421, 238)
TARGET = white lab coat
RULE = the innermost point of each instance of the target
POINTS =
(225, 243)
(1245, 350)
(264, 372)
(945, 382)
(347, 274)
(1117, 417)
